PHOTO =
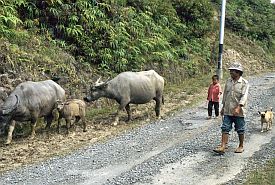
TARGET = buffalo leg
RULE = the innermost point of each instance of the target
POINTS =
(128, 112)
(58, 125)
(68, 125)
(33, 125)
(77, 118)
(11, 128)
(157, 108)
(49, 120)
(84, 124)
(116, 118)
(120, 108)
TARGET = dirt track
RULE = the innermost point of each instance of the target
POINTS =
(176, 150)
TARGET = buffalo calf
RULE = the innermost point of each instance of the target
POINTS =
(71, 109)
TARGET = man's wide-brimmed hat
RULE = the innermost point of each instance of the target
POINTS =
(236, 66)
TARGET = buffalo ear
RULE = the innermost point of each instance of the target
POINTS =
(105, 84)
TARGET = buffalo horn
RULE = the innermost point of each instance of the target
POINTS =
(98, 80)
(10, 109)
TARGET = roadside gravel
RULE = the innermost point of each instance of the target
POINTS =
(177, 150)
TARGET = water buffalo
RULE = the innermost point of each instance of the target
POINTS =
(71, 109)
(29, 101)
(130, 87)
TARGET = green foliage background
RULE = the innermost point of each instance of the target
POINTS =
(253, 19)
(118, 35)
(114, 35)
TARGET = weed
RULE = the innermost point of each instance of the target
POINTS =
(264, 176)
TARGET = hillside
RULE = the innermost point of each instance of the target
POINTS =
(78, 41)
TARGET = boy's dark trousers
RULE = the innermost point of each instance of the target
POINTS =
(216, 107)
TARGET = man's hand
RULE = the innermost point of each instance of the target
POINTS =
(237, 110)
(222, 112)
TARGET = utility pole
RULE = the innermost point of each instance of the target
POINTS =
(222, 20)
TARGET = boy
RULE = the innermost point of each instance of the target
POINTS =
(213, 97)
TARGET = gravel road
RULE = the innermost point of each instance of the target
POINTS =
(177, 150)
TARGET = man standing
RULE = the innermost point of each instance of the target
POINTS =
(234, 107)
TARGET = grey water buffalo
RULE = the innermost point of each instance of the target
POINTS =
(130, 88)
(28, 102)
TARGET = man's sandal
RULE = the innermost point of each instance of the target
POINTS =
(219, 150)
(226, 146)
(239, 150)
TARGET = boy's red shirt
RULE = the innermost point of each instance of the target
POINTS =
(214, 92)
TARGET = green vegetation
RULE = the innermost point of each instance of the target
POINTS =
(254, 20)
(264, 176)
(116, 35)
(96, 113)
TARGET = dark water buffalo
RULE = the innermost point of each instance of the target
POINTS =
(130, 87)
(29, 101)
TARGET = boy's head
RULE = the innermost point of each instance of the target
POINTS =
(215, 79)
